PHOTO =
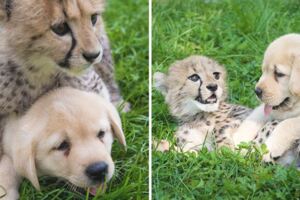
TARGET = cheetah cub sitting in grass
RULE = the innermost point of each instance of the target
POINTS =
(195, 90)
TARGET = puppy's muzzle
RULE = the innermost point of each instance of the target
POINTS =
(97, 171)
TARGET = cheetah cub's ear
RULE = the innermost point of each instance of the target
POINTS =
(160, 82)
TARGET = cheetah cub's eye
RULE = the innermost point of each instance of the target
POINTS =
(61, 29)
(217, 75)
(94, 19)
(101, 134)
(194, 77)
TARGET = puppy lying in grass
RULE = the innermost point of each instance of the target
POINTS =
(67, 134)
(279, 90)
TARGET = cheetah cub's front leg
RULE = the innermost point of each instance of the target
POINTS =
(193, 139)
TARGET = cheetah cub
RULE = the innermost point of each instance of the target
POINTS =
(195, 90)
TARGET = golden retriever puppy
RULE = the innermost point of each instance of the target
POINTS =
(279, 90)
(68, 134)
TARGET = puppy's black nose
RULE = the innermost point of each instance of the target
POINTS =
(258, 92)
(97, 171)
(212, 87)
(90, 57)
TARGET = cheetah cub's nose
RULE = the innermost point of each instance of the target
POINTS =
(212, 87)
(90, 57)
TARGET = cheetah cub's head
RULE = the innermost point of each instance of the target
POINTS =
(53, 34)
(192, 85)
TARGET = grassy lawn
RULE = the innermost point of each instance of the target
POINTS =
(235, 33)
(127, 26)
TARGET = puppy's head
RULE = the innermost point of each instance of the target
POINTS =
(194, 84)
(279, 87)
(68, 134)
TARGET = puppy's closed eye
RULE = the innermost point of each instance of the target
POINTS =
(64, 146)
(277, 73)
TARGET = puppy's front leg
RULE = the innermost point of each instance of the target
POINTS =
(282, 139)
(9, 180)
(250, 126)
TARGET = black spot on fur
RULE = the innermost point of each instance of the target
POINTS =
(275, 158)
(19, 73)
(220, 140)
(32, 87)
(208, 123)
(36, 37)
(19, 82)
(260, 140)
(263, 129)
(222, 129)
(268, 134)
(6, 84)
(24, 93)
(274, 123)
(255, 137)
(186, 132)
(8, 8)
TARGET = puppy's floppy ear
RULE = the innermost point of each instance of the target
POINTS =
(24, 161)
(294, 83)
(160, 82)
(116, 124)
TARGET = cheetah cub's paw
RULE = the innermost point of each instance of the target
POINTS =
(161, 146)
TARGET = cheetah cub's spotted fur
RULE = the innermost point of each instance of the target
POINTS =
(195, 90)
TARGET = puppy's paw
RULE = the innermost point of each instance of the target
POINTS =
(161, 146)
(8, 195)
(275, 151)
(3, 192)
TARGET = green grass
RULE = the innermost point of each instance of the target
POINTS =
(235, 33)
(127, 26)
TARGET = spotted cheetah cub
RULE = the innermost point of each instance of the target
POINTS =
(195, 90)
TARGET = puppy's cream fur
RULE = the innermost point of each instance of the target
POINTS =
(282, 56)
(31, 141)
